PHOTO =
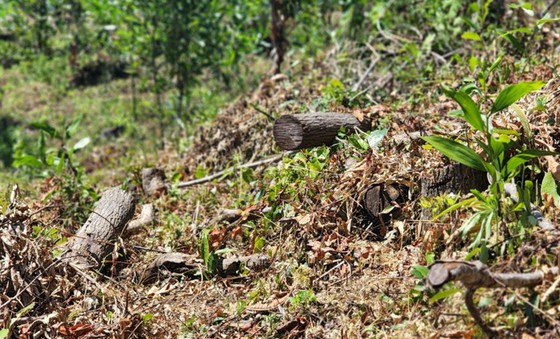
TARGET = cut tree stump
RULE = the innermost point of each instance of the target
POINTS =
(95, 239)
(453, 178)
(299, 131)
(383, 201)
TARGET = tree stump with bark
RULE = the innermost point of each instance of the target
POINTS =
(299, 131)
(453, 178)
(383, 202)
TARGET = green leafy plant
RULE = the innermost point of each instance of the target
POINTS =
(59, 161)
(303, 298)
(210, 258)
(5, 332)
(363, 142)
(502, 159)
(55, 159)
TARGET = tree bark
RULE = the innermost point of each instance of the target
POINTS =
(453, 178)
(94, 240)
(378, 197)
(293, 132)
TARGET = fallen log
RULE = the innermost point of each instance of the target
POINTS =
(182, 263)
(299, 131)
(231, 266)
(190, 265)
(95, 239)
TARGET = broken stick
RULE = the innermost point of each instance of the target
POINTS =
(474, 275)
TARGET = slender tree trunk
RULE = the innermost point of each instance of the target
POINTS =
(277, 32)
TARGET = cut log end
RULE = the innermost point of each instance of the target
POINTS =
(288, 132)
(305, 130)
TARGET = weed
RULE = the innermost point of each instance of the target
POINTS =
(303, 299)
(502, 159)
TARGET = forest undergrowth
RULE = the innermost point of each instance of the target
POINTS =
(333, 268)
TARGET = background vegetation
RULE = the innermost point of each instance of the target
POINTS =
(91, 91)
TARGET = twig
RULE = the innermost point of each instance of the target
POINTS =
(332, 269)
(142, 248)
(474, 275)
(381, 82)
(473, 310)
(228, 171)
(146, 217)
(261, 110)
(366, 73)
(439, 58)
(552, 288)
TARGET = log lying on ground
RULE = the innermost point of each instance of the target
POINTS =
(190, 265)
(475, 275)
(182, 263)
(231, 266)
(299, 131)
(95, 239)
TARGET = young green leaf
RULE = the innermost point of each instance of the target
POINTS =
(71, 129)
(445, 294)
(456, 151)
(420, 271)
(471, 36)
(470, 109)
(28, 160)
(25, 310)
(523, 119)
(81, 144)
(549, 188)
(205, 245)
(470, 224)
(513, 93)
(45, 127)
(454, 207)
(522, 157)
(546, 20)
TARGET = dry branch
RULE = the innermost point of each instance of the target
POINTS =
(474, 275)
(299, 131)
(94, 240)
(230, 170)
(137, 225)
